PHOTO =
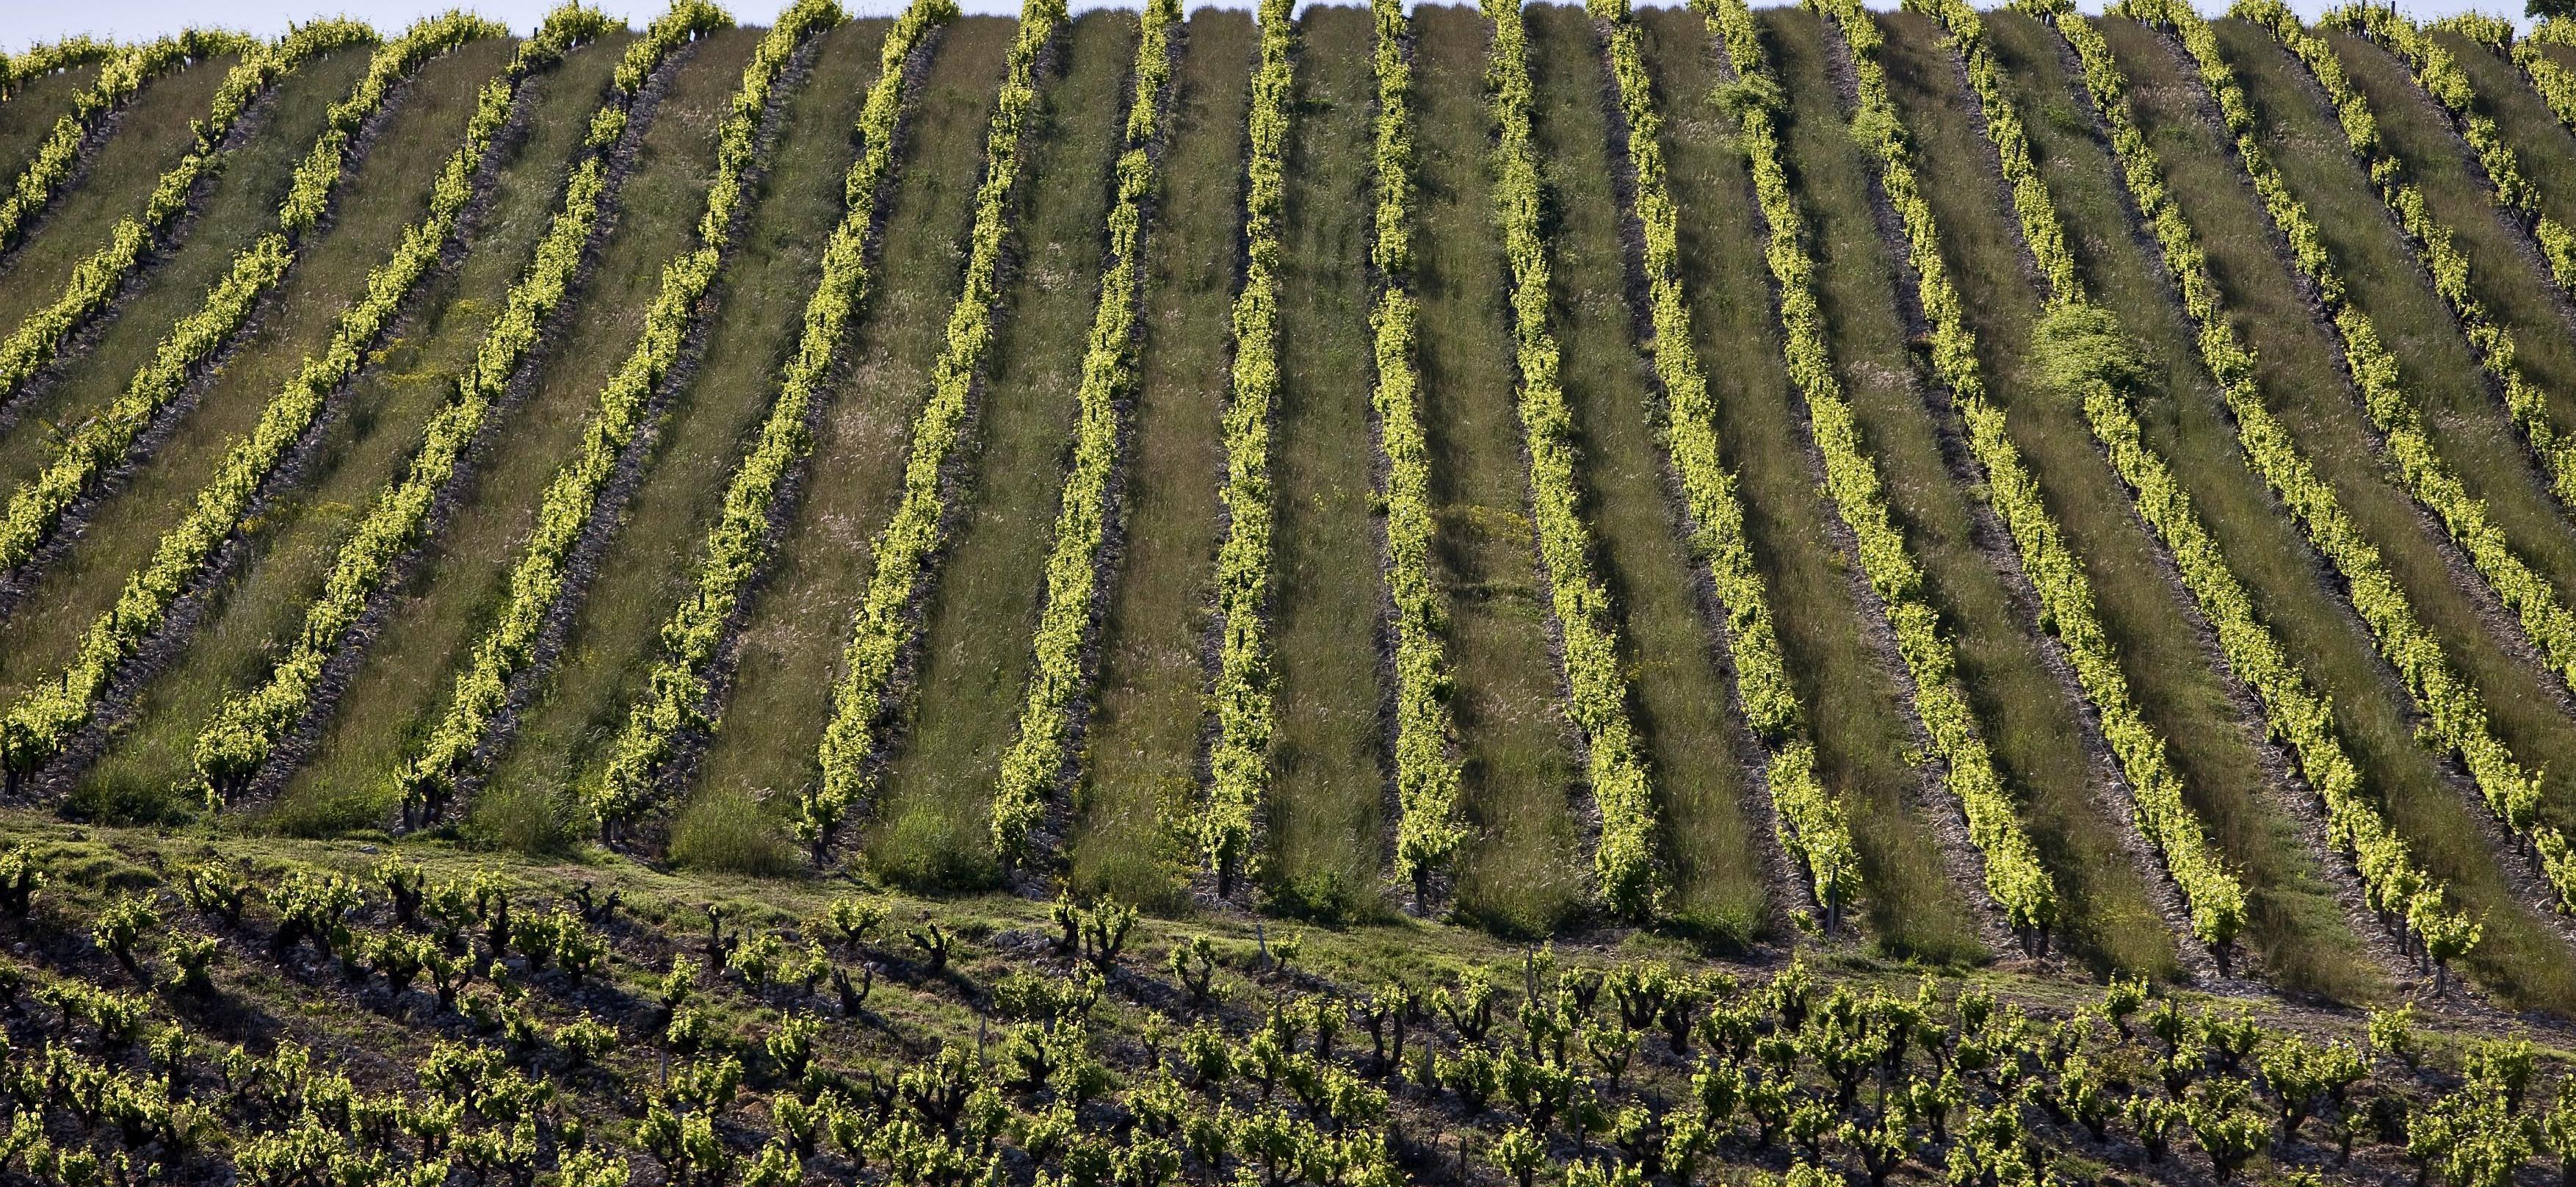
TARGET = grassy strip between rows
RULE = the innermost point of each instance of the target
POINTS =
(572, 498)
(738, 546)
(2014, 876)
(97, 278)
(237, 741)
(2408, 897)
(1623, 858)
(119, 80)
(1239, 759)
(1058, 676)
(37, 61)
(2214, 896)
(2442, 77)
(885, 622)
(229, 497)
(1427, 831)
(100, 445)
(36, 728)
(2548, 620)
(2455, 712)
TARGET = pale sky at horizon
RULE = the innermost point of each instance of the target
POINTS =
(26, 22)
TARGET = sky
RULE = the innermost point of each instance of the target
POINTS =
(25, 22)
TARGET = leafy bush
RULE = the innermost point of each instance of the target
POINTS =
(2213, 895)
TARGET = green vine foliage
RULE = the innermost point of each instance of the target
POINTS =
(886, 622)
(2555, 83)
(1427, 829)
(625, 408)
(2015, 878)
(35, 728)
(2214, 896)
(100, 445)
(2406, 896)
(70, 53)
(1812, 823)
(120, 78)
(1059, 676)
(1623, 857)
(1239, 759)
(2455, 712)
(102, 273)
(237, 741)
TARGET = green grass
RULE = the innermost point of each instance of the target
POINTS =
(401, 685)
(2431, 806)
(2212, 730)
(1910, 907)
(795, 625)
(260, 603)
(933, 828)
(574, 712)
(1140, 758)
(1325, 811)
(2525, 702)
(1681, 699)
(27, 116)
(2029, 717)
(1523, 869)
(124, 525)
(239, 206)
(151, 136)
